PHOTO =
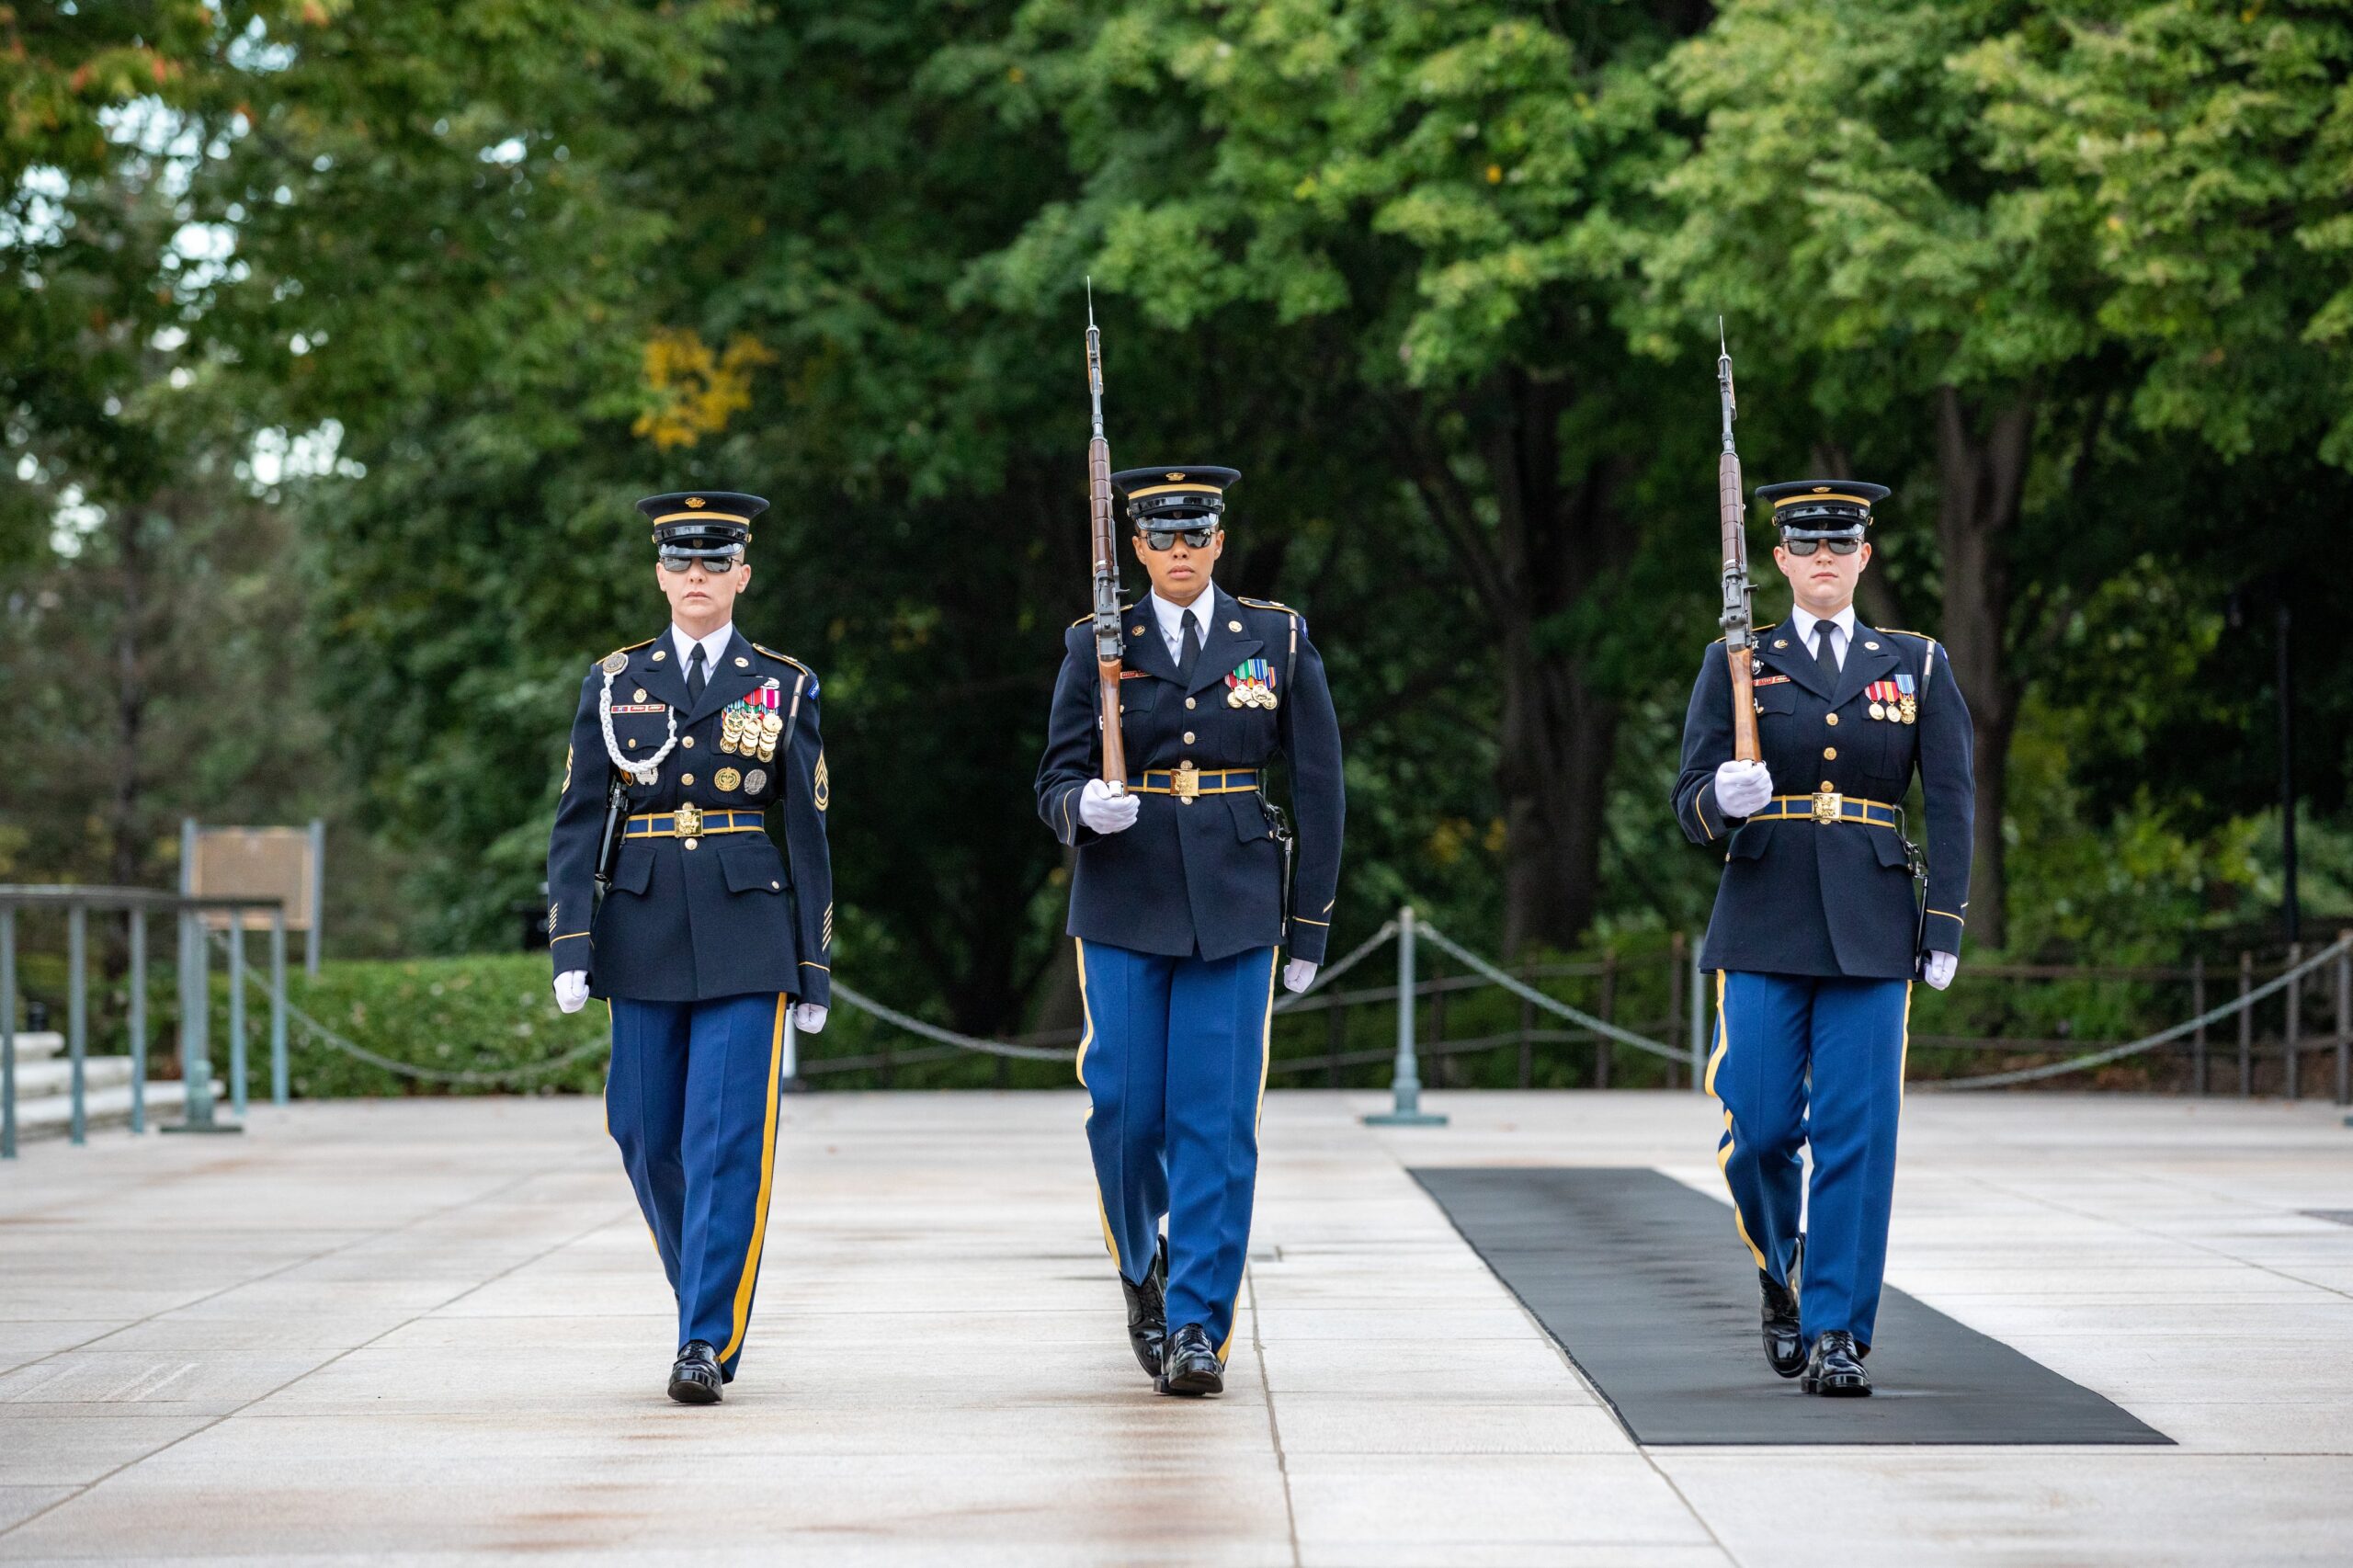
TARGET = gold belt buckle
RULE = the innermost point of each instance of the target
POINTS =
(1187, 783)
(689, 822)
(1828, 804)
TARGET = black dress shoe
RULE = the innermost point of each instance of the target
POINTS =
(1784, 1345)
(1835, 1369)
(694, 1376)
(1191, 1367)
(1148, 1312)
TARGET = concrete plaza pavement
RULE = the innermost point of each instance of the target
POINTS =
(436, 1331)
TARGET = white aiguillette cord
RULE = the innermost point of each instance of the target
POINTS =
(645, 772)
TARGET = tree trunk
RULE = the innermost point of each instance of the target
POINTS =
(130, 703)
(1552, 543)
(1981, 453)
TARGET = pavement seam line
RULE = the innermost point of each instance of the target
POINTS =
(2171, 1240)
(93, 1485)
(1274, 1426)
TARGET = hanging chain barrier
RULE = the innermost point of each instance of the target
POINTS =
(890, 1015)
(2106, 1054)
(1528, 993)
(533, 1072)
(529, 1072)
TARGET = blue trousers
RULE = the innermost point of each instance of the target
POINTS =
(1804, 1060)
(692, 1099)
(1175, 1065)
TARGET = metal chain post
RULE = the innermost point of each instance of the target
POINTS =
(1406, 1086)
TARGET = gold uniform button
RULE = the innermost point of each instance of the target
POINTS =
(687, 741)
(1188, 704)
(774, 883)
(1830, 754)
(1830, 719)
(641, 695)
(1233, 626)
(692, 841)
(1188, 737)
(686, 778)
(741, 662)
(1828, 788)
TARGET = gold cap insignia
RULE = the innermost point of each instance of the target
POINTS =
(696, 501)
(1174, 477)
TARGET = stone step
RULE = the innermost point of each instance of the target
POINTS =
(54, 1075)
(31, 1047)
(52, 1114)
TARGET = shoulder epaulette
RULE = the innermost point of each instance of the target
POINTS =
(785, 658)
(620, 652)
(1265, 604)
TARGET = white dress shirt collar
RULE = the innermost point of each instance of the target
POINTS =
(1803, 621)
(1171, 617)
(712, 647)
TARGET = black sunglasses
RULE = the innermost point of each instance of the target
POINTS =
(1166, 538)
(677, 557)
(1808, 545)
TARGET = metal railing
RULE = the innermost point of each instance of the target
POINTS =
(193, 972)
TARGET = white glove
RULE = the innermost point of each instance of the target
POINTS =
(808, 1018)
(1299, 974)
(1743, 789)
(1940, 968)
(571, 990)
(1105, 810)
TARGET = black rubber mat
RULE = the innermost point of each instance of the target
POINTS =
(1644, 1284)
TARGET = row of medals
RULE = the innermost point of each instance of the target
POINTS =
(1904, 710)
(748, 732)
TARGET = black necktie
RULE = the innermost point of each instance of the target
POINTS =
(696, 680)
(1188, 652)
(1824, 657)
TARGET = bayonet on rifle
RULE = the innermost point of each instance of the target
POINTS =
(1108, 646)
(1740, 637)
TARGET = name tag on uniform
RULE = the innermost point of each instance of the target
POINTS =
(641, 707)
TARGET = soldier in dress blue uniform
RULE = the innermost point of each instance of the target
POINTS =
(707, 934)
(1178, 905)
(1816, 935)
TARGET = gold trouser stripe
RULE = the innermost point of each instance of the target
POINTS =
(1723, 1153)
(768, 1175)
(1265, 1064)
(1086, 1038)
(1903, 1052)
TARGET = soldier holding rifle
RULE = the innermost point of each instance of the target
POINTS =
(1800, 745)
(704, 934)
(1165, 718)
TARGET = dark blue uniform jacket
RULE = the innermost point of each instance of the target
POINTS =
(1204, 879)
(730, 916)
(1802, 897)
